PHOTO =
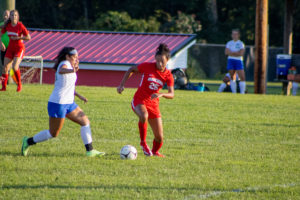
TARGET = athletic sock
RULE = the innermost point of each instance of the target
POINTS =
(89, 147)
(233, 86)
(242, 87)
(41, 136)
(18, 76)
(294, 88)
(156, 146)
(30, 141)
(143, 131)
(86, 136)
(222, 87)
(4, 81)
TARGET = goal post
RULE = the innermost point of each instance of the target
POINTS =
(32, 69)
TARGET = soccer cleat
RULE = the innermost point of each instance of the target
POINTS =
(19, 88)
(158, 155)
(25, 146)
(3, 90)
(94, 153)
(146, 149)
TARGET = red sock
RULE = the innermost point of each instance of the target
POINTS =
(143, 131)
(156, 146)
(18, 76)
(4, 81)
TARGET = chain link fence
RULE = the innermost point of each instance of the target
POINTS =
(208, 61)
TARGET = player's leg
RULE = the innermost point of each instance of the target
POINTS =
(294, 88)
(222, 87)
(57, 114)
(15, 65)
(232, 80)
(157, 128)
(241, 74)
(141, 111)
(55, 125)
(76, 115)
(7, 66)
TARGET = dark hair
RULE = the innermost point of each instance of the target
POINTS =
(62, 56)
(9, 20)
(236, 30)
(163, 50)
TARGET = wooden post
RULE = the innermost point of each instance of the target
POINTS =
(288, 27)
(288, 38)
(261, 32)
(6, 5)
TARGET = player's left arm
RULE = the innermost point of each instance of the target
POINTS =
(238, 53)
(168, 95)
(85, 100)
(24, 36)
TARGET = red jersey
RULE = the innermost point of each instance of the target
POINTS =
(18, 30)
(152, 81)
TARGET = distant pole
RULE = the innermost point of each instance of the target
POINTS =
(7, 5)
(288, 38)
(288, 27)
(261, 32)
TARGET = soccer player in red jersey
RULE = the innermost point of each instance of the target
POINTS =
(145, 102)
(16, 32)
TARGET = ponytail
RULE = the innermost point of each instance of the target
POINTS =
(163, 50)
(62, 55)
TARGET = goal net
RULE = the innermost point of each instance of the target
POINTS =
(31, 69)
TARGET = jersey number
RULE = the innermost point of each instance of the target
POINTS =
(153, 86)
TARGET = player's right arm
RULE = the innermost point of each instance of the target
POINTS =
(227, 51)
(127, 75)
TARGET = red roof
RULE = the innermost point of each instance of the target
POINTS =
(103, 47)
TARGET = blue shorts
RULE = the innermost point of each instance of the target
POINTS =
(60, 110)
(233, 64)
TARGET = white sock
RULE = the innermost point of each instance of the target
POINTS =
(222, 87)
(42, 136)
(233, 86)
(242, 87)
(86, 134)
(294, 88)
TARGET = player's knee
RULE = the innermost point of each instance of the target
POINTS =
(85, 122)
(143, 117)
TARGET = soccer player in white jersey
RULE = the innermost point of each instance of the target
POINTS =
(235, 50)
(61, 104)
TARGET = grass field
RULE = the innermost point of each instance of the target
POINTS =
(217, 146)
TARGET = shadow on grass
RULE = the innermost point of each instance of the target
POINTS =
(109, 187)
(107, 156)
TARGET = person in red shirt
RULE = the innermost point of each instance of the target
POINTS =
(145, 102)
(16, 32)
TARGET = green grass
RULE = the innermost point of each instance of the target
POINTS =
(217, 146)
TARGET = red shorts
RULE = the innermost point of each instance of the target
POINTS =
(152, 108)
(15, 52)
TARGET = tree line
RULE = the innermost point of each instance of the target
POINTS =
(211, 20)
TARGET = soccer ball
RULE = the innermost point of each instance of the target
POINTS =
(128, 152)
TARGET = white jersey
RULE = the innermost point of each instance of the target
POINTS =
(235, 46)
(64, 87)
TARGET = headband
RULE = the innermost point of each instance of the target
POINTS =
(73, 52)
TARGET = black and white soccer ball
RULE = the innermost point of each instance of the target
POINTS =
(128, 152)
